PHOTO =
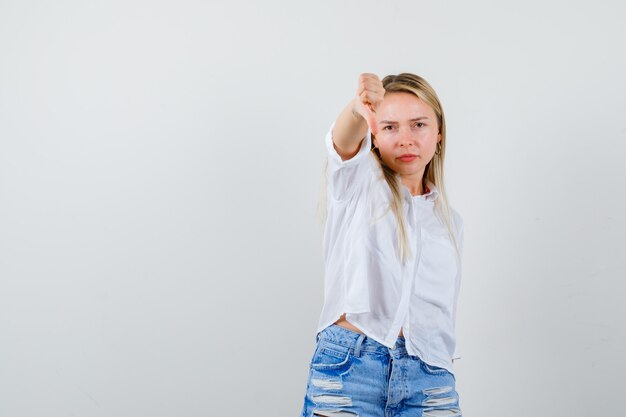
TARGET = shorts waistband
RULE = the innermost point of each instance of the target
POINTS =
(360, 342)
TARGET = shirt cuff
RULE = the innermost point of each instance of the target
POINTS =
(457, 354)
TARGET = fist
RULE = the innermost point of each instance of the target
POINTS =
(369, 94)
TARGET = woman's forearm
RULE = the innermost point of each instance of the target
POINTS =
(350, 128)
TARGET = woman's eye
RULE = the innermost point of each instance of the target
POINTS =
(387, 128)
(419, 124)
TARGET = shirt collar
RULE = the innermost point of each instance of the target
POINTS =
(430, 194)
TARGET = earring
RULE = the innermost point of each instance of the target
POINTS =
(438, 151)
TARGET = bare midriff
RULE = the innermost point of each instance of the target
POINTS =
(342, 322)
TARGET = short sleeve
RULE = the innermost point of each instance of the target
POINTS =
(459, 226)
(345, 177)
(457, 352)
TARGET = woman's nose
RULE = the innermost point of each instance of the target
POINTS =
(406, 138)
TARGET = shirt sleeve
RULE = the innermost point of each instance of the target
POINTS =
(460, 238)
(345, 177)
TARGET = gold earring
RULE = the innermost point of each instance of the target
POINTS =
(438, 151)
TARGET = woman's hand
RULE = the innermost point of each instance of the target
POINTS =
(369, 94)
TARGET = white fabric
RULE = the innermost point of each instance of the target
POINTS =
(364, 277)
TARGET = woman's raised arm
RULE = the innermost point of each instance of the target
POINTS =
(353, 121)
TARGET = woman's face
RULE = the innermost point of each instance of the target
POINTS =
(407, 133)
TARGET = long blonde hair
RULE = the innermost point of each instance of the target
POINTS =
(414, 84)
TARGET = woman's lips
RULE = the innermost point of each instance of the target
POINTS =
(407, 157)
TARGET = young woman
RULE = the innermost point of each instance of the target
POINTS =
(386, 341)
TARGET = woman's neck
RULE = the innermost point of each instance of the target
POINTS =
(415, 186)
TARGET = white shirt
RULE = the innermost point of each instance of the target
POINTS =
(364, 277)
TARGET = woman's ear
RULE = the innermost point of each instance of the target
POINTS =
(374, 141)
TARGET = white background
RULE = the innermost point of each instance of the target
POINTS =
(160, 169)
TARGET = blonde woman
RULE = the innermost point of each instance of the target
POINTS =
(386, 341)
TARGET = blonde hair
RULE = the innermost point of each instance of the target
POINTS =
(416, 85)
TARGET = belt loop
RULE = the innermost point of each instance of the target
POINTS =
(357, 346)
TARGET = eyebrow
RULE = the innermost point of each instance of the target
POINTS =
(411, 120)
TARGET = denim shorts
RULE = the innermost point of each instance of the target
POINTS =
(352, 375)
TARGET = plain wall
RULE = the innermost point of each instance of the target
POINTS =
(160, 170)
